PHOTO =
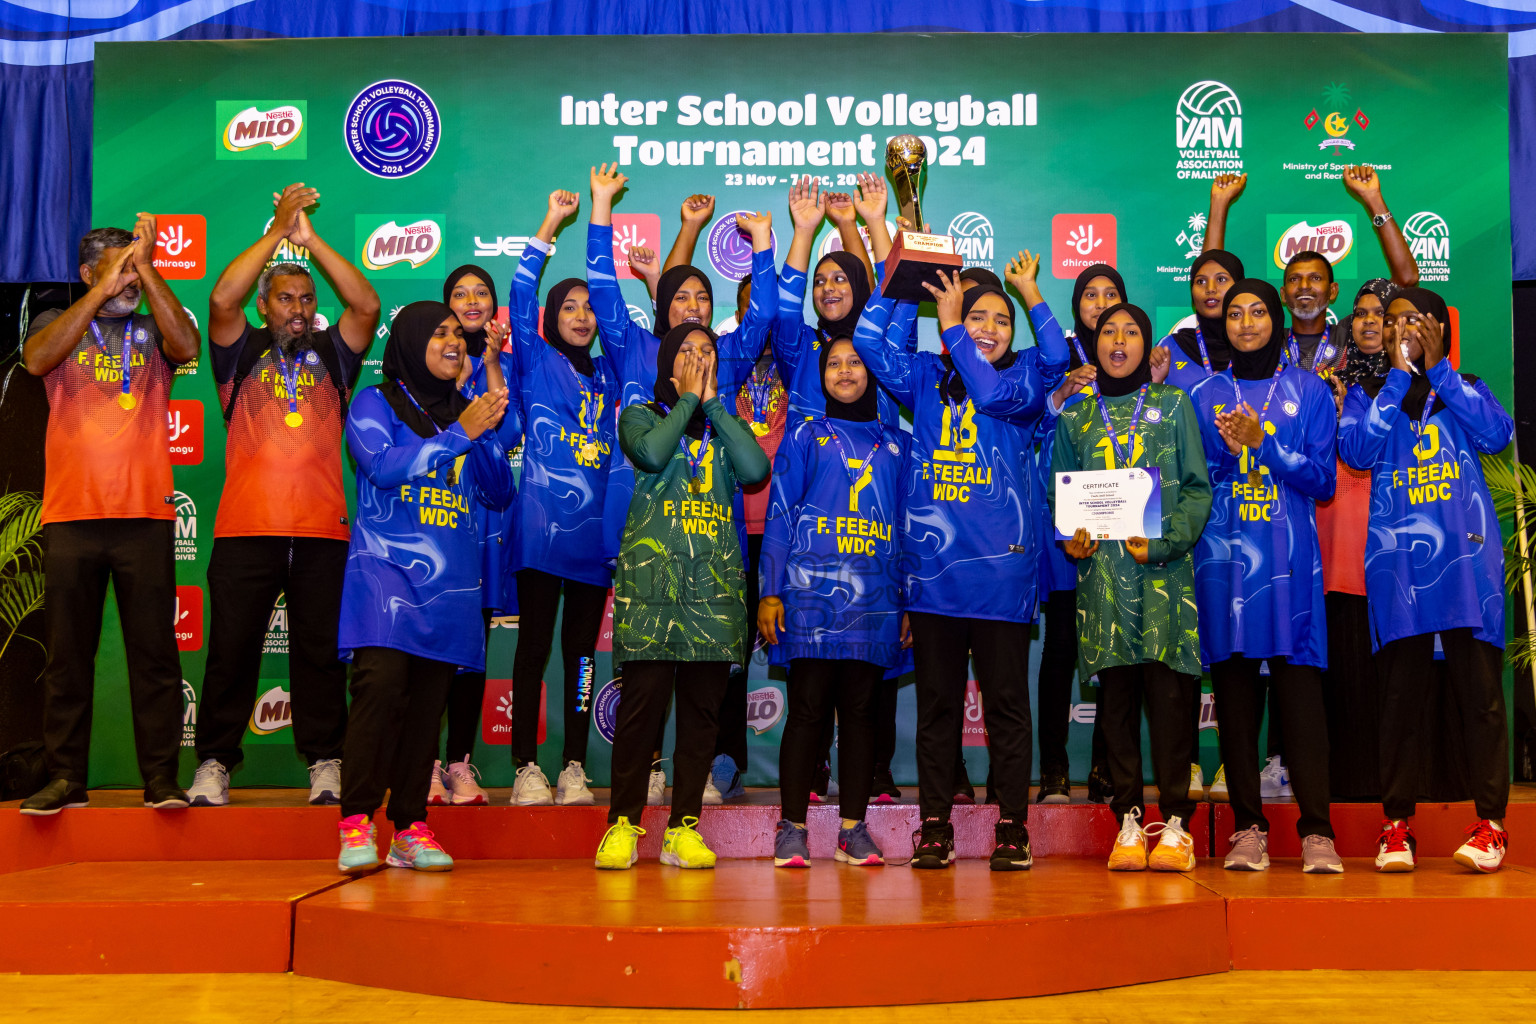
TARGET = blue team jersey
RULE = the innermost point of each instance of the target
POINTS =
(1433, 557)
(412, 581)
(831, 550)
(1183, 372)
(1057, 571)
(1258, 568)
(498, 528)
(571, 439)
(970, 530)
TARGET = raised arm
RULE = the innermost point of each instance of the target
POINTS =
(226, 303)
(179, 340)
(52, 343)
(361, 314)
(807, 206)
(1225, 190)
(1055, 356)
(870, 200)
(1017, 396)
(845, 218)
(1364, 184)
(892, 365)
(738, 350)
(696, 212)
(608, 305)
(1182, 527)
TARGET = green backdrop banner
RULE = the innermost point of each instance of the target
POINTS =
(434, 152)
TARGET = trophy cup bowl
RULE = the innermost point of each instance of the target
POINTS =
(915, 256)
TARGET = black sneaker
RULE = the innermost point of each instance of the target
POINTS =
(884, 790)
(933, 845)
(163, 794)
(1100, 788)
(55, 797)
(965, 793)
(1012, 853)
(1054, 789)
(821, 781)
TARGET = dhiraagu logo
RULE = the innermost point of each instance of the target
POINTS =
(260, 130)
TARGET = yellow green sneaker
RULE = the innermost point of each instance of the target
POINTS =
(683, 847)
(619, 849)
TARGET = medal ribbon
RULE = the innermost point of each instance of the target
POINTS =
(417, 404)
(125, 358)
(853, 476)
(758, 393)
(1204, 356)
(588, 395)
(694, 462)
(291, 379)
(1125, 458)
(1325, 350)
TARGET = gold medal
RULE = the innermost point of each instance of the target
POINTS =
(126, 400)
(759, 428)
(293, 419)
(589, 452)
(1254, 480)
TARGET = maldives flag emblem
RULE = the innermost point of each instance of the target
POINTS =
(1311, 121)
(1361, 119)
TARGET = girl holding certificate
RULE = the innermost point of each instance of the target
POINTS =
(1135, 598)
(1268, 430)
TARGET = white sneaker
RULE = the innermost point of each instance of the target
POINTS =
(439, 793)
(531, 787)
(1196, 782)
(466, 789)
(656, 790)
(571, 787)
(325, 781)
(210, 786)
(1274, 780)
(1218, 791)
(712, 793)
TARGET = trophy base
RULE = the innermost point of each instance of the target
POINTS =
(916, 258)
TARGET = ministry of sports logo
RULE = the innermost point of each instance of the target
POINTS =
(186, 528)
(392, 129)
(972, 233)
(1208, 131)
(1429, 239)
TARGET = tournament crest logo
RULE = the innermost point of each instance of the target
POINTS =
(392, 129)
(1336, 124)
(730, 249)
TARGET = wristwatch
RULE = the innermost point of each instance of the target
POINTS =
(1380, 220)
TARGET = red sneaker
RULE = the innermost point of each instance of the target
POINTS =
(1485, 848)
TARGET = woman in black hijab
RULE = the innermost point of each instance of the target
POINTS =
(1097, 288)
(1201, 350)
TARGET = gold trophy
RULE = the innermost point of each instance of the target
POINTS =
(915, 256)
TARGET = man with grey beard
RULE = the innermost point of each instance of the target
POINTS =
(282, 523)
(109, 508)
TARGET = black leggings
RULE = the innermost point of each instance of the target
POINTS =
(465, 695)
(1352, 695)
(1168, 696)
(643, 695)
(397, 703)
(538, 598)
(1296, 702)
(817, 687)
(1058, 668)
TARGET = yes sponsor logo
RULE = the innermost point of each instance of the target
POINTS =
(261, 130)
(1290, 234)
(637, 229)
(188, 715)
(730, 248)
(765, 707)
(398, 246)
(503, 245)
(181, 246)
(276, 639)
(392, 129)
(272, 712)
(973, 724)
(1080, 240)
(186, 528)
(605, 710)
(972, 233)
(1429, 239)
(185, 425)
(496, 712)
(1208, 131)
(188, 623)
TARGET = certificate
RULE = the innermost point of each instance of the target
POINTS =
(1111, 504)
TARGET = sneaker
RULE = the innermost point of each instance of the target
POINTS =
(1395, 846)
(1012, 852)
(1175, 849)
(854, 846)
(358, 850)
(1318, 857)
(821, 782)
(1485, 850)
(933, 845)
(683, 847)
(1100, 787)
(439, 793)
(620, 848)
(325, 781)
(1274, 780)
(1130, 852)
(965, 792)
(1054, 789)
(1250, 850)
(884, 790)
(162, 793)
(531, 787)
(465, 785)
(791, 846)
(58, 795)
(1196, 782)
(571, 787)
(210, 785)
(417, 848)
(1218, 790)
(656, 788)
(725, 778)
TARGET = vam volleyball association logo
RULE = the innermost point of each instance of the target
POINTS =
(972, 233)
(1429, 239)
(186, 528)
(392, 129)
(1208, 131)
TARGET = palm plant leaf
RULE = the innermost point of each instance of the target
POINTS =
(20, 524)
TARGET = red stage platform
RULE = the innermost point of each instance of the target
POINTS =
(116, 888)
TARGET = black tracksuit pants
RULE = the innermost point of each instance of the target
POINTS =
(817, 688)
(538, 600)
(731, 732)
(1058, 668)
(1168, 696)
(465, 696)
(643, 696)
(397, 710)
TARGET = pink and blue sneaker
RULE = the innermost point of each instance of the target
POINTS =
(358, 851)
(791, 847)
(854, 846)
(417, 848)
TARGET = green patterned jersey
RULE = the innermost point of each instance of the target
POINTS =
(679, 593)
(1129, 613)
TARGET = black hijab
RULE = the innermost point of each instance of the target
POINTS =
(1213, 330)
(1082, 331)
(1428, 303)
(953, 384)
(981, 275)
(579, 355)
(474, 343)
(1369, 370)
(858, 280)
(405, 363)
(666, 392)
(1259, 364)
(667, 287)
(1114, 387)
(863, 409)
